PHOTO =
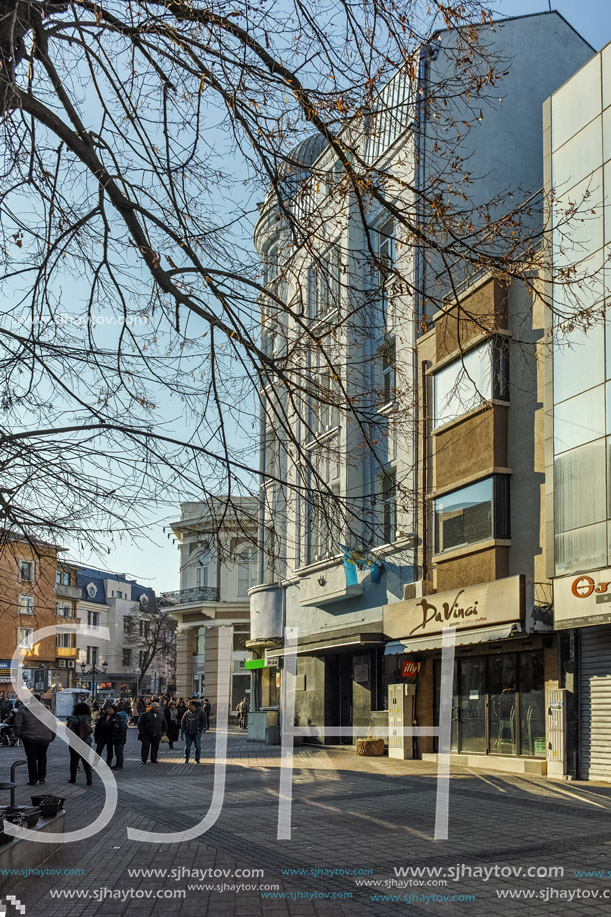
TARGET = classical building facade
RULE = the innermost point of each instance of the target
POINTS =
(119, 603)
(577, 137)
(218, 566)
(441, 498)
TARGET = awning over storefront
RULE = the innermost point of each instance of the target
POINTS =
(463, 638)
(331, 645)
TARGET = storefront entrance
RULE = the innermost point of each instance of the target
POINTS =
(498, 704)
(338, 697)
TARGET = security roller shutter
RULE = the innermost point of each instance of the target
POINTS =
(595, 703)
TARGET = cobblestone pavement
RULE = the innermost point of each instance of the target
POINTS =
(356, 823)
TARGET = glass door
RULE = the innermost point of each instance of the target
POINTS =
(472, 705)
(503, 704)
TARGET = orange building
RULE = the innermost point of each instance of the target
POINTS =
(29, 601)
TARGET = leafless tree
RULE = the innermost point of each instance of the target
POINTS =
(152, 639)
(138, 137)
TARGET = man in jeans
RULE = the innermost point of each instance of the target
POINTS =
(194, 722)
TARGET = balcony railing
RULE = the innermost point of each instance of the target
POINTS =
(190, 596)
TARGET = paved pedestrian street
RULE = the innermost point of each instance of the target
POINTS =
(361, 843)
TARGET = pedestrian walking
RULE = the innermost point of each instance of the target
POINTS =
(79, 722)
(207, 708)
(36, 738)
(192, 725)
(119, 738)
(172, 723)
(181, 707)
(106, 729)
(150, 729)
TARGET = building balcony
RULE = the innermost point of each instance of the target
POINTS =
(190, 596)
(66, 652)
(68, 592)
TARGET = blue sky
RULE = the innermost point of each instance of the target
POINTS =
(155, 562)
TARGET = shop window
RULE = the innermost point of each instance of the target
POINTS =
(476, 377)
(270, 691)
(498, 704)
(472, 514)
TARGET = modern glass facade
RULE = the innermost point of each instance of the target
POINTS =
(581, 180)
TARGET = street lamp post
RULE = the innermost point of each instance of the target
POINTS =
(93, 671)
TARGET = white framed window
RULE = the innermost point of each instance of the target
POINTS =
(91, 590)
(66, 641)
(387, 506)
(472, 379)
(92, 655)
(388, 367)
(202, 570)
(247, 570)
(63, 610)
(325, 284)
(26, 637)
(127, 657)
(26, 605)
(93, 618)
(26, 571)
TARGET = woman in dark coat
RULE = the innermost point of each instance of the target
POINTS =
(172, 722)
(79, 722)
(106, 729)
(181, 707)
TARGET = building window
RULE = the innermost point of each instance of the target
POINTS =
(387, 507)
(92, 655)
(26, 571)
(247, 571)
(58, 577)
(472, 514)
(202, 570)
(66, 579)
(388, 361)
(471, 380)
(144, 628)
(26, 637)
(127, 657)
(62, 610)
(324, 284)
(325, 407)
(67, 641)
(142, 658)
(26, 605)
(128, 624)
(93, 618)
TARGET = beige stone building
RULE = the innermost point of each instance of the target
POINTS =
(218, 565)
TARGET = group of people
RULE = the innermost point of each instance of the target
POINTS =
(157, 719)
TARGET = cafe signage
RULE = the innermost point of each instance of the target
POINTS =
(5, 671)
(482, 605)
(582, 600)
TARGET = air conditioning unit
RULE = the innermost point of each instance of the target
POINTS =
(62, 663)
(71, 664)
(414, 590)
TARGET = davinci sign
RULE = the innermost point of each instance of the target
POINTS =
(481, 605)
(583, 600)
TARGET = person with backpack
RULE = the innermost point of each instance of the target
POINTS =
(79, 722)
(119, 738)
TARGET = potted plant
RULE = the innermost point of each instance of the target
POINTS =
(49, 805)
